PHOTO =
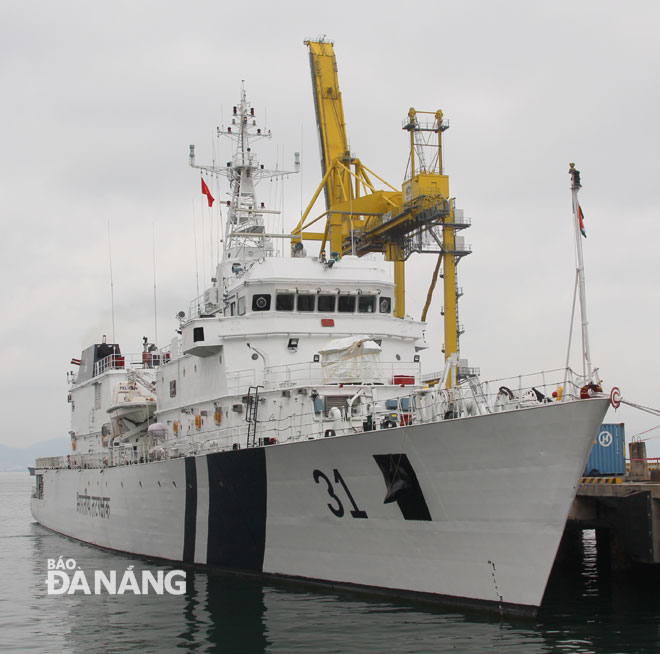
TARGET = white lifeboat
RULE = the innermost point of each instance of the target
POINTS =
(133, 405)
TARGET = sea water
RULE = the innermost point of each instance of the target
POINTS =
(586, 608)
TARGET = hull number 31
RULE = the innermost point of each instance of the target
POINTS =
(336, 505)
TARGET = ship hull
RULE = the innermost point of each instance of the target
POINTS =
(476, 507)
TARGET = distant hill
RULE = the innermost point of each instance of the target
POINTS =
(16, 459)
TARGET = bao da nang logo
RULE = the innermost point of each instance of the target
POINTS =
(66, 577)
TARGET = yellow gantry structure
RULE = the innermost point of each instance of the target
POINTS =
(360, 218)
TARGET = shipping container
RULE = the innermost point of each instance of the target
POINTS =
(608, 454)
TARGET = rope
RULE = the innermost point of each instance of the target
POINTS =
(641, 433)
(654, 412)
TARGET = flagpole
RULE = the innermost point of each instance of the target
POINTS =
(575, 187)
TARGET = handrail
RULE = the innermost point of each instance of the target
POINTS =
(425, 404)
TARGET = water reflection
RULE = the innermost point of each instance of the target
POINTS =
(223, 612)
(218, 612)
(585, 610)
(590, 608)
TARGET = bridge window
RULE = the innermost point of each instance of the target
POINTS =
(366, 304)
(241, 306)
(385, 304)
(327, 303)
(306, 302)
(261, 302)
(346, 304)
(284, 302)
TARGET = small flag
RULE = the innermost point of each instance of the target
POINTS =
(580, 218)
(207, 193)
(76, 362)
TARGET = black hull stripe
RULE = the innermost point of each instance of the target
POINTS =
(397, 469)
(237, 509)
(190, 519)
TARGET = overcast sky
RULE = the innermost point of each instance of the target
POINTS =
(100, 103)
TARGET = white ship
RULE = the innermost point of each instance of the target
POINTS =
(288, 429)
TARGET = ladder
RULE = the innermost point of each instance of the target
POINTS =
(478, 393)
(251, 415)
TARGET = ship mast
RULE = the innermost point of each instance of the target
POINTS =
(245, 235)
(575, 188)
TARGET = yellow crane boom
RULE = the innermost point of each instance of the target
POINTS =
(360, 218)
(329, 118)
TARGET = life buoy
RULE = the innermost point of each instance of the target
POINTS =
(615, 397)
(198, 421)
(175, 427)
(217, 416)
(589, 390)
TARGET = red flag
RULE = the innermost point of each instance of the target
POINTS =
(581, 219)
(207, 193)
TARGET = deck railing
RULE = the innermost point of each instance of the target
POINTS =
(366, 407)
(310, 374)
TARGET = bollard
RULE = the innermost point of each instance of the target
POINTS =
(639, 466)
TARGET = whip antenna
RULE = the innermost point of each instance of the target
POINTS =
(153, 228)
(112, 286)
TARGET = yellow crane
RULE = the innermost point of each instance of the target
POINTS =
(359, 218)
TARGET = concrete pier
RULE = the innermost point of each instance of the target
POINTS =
(626, 517)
